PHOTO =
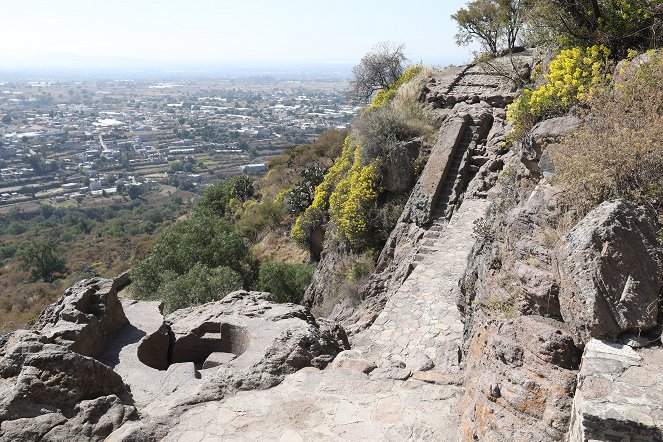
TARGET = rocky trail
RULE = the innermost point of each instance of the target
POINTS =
(461, 335)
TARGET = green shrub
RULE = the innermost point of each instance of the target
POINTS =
(287, 282)
(259, 217)
(572, 77)
(209, 241)
(215, 199)
(198, 286)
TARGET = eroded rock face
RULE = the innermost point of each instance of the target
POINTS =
(50, 387)
(610, 266)
(519, 381)
(87, 316)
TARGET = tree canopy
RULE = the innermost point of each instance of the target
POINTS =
(377, 70)
(43, 257)
(493, 23)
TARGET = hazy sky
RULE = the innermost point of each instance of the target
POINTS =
(224, 31)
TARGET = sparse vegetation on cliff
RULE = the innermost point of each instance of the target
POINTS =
(573, 75)
(351, 197)
(617, 151)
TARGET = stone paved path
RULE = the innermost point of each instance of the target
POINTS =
(344, 404)
(422, 316)
(329, 405)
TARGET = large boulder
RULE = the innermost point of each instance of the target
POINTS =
(50, 387)
(610, 267)
(542, 136)
(519, 381)
(86, 317)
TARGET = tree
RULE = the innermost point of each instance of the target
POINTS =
(215, 199)
(287, 282)
(493, 23)
(618, 24)
(303, 191)
(198, 286)
(134, 192)
(43, 257)
(377, 70)
(206, 240)
(7, 119)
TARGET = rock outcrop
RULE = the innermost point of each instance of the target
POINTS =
(520, 379)
(611, 267)
(619, 395)
(246, 341)
(51, 388)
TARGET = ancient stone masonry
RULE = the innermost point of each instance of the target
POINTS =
(463, 163)
(619, 395)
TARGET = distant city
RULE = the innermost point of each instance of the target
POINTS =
(73, 141)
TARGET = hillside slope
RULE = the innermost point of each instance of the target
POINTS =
(494, 313)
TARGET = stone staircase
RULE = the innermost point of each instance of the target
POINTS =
(468, 157)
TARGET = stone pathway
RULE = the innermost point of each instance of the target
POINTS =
(329, 405)
(422, 317)
(344, 404)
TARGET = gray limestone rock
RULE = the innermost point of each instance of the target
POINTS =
(259, 341)
(87, 316)
(542, 135)
(51, 388)
(619, 394)
(353, 360)
(610, 267)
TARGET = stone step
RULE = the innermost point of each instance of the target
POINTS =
(478, 160)
(436, 228)
(426, 250)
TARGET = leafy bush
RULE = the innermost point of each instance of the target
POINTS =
(385, 95)
(572, 77)
(210, 241)
(617, 24)
(7, 251)
(198, 286)
(617, 151)
(215, 199)
(258, 217)
(43, 256)
(302, 193)
(287, 282)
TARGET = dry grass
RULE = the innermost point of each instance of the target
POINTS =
(617, 152)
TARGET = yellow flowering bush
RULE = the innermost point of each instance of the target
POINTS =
(352, 200)
(346, 194)
(384, 96)
(572, 76)
(314, 215)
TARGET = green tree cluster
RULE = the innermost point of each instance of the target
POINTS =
(43, 256)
